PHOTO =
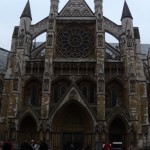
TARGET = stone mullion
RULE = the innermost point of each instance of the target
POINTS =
(100, 68)
(46, 92)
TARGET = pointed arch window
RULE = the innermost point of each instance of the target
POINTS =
(88, 90)
(58, 89)
(33, 91)
(114, 94)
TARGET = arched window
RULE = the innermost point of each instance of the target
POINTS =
(33, 92)
(114, 94)
(58, 89)
(88, 90)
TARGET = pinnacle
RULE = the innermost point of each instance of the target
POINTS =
(126, 11)
(27, 11)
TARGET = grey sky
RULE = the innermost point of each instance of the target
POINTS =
(11, 10)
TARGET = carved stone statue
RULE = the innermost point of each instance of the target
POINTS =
(99, 22)
(100, 85)
(21, 38)
(100, 40)
(129, 39)
(49, 40)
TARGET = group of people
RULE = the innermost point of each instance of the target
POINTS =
(26, 145)
(34, 145)
(7, 145)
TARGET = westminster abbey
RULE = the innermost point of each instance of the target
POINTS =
(75, 87)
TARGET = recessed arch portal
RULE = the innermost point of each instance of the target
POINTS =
(118, 131)
(72, 124)
(27, 128)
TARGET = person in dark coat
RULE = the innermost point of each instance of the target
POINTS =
(25, 146)
(43, 145)
(7, 145)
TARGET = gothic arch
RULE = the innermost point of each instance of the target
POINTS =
(112, 34)
(117, 116)
(88, 88)
(38, 46)
(38, 34)
(114, 94)
(25, 115)
(118, 130)
(33, 78)
(39, 28)
(33, 92)
(70, 106)
(59, 87)
(118, 80)
(72, 119)
(112, 28)
(28, 126)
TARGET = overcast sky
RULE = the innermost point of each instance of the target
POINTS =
(10, 11)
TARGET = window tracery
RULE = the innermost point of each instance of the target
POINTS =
(75, 41)
(88, 90)
(114, 95)
(58, 89)
(33, 93)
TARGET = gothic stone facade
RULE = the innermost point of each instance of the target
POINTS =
(75, 87)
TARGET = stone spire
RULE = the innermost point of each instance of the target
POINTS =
(126, 12)
(27, 11)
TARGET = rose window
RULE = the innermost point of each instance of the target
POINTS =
(75, 41)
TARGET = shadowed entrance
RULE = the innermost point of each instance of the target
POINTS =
(27, 129)
(118, 132)
(72, 125)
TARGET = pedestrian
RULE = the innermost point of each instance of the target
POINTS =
(25, 146)
(37, 145)
(7, 145)
(43, 145)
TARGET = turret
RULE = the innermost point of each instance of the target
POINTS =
(24, 29)
(98, 7)
(26, 18)
(127, 19)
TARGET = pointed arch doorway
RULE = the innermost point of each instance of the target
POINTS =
(118, 132)
(72, 124)
(27, 129)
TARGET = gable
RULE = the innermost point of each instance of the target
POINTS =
(76, 8)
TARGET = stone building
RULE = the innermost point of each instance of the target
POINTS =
(75, 87)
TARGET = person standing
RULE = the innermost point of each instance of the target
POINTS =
(43, 145)
(7, 145)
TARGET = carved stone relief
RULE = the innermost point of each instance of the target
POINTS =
(100, 84)
(99, 22)
(21, 37)
(129, 39)
(46, 85)
(76, 8)
(49, 40)
(100, 40)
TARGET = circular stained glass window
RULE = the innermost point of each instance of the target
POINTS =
(75, 41)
